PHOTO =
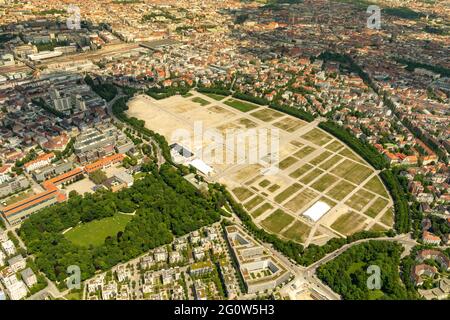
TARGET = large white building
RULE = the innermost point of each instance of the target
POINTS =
(44, 55)
(17, 290)
(317, 211)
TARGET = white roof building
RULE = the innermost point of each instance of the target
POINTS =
(202, 167)
(317, 210)
(17, 290)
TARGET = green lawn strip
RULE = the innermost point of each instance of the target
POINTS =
(240, 105)
(350, 154)
(242, 193)
(299, 231)
(201, 101)
(264, 183)
(261, 209)
(300, 171)
(277, 221)
(377, 227)
(296, 143)
(321, 157)
(376, 207)
(215, 96)
(253, 202)
(348, 223)
(304, 152)
(334, 146)
(287, 162)
(360, 199)
(375, 185)
(301, 200)
(317, 136)
(388, 218)
(286, 193)
(274, 187)
(352, 171)
(266, 115)
(311, 176)
(330, 162)
(324, 182)
(341, 190)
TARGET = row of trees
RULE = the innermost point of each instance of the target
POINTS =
(250, 98)
(166, 205)
(402, 216)
(165, 92)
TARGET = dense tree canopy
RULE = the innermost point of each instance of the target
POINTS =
(347, 274)
(166, 205)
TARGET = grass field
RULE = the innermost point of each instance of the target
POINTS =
(301, 200)
(330, 162)
(286, 193)
(265, 183)
(352, 171)
(253, 202)
(261, 209)
(240, 105)
(201, 101)
(277, 221)
(274, 187)
(287, 162)
(334, 146)
(242, 193)
(215, 96)
(349, 154)
(376, 207)
(288, 124)
(377, 227)
(376, 186)
(304, 152)
(266, 115)
(299, 231)
(324, 182)
(311, 176)
(301, 171)
(341, 190)
(318, 137)
(388, 218)
(321, 157)
(328, 201)
(360, 199)
(348, 223)
(95, 232)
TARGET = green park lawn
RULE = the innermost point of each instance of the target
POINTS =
(215, 96)
(240, 105)
(95, 232)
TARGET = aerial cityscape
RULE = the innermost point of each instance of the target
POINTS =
(224, 150)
